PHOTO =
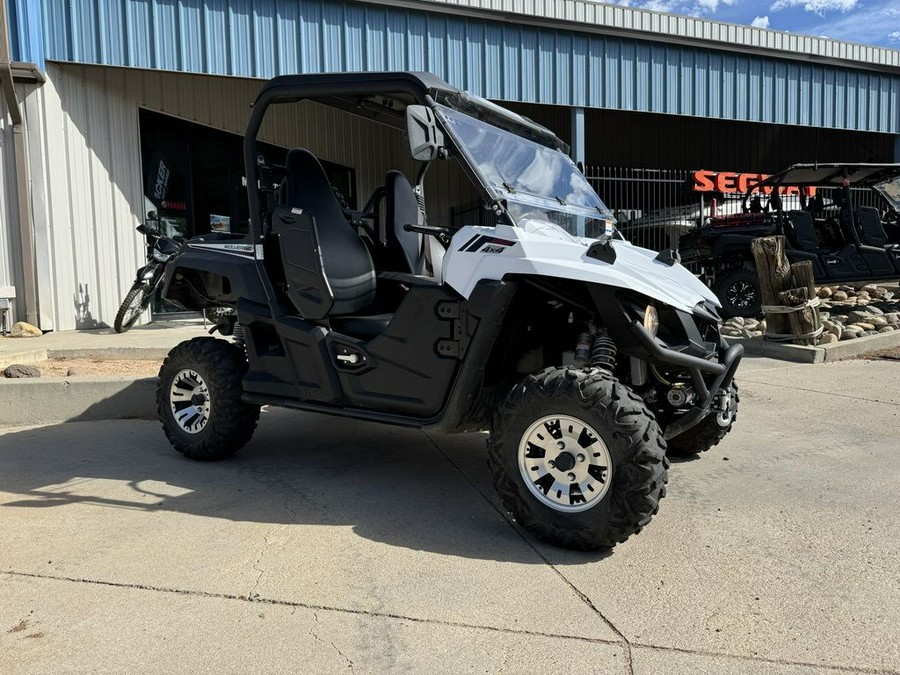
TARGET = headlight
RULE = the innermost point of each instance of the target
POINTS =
(651, 320)
(159, 256)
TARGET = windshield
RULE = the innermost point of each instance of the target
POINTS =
(890, 190)
(535, 181)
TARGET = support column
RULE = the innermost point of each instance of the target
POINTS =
(23, 195)
(577, 143)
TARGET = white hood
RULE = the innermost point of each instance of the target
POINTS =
(477, 253)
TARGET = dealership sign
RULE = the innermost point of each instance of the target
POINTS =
(730, 182)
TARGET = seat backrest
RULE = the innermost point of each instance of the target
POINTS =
(804, 232)
(873, 232)
(346, 262)
(402, 208)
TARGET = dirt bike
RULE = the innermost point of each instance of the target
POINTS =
(162, 250)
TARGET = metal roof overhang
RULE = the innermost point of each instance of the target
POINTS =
(832, 175)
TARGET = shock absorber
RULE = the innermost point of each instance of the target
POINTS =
(237, 335)
(603, 352)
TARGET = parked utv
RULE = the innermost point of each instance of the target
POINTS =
(584, 356)
(844, 241)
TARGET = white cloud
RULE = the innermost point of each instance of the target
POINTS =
(659, 5)
(858, 26)
(760, 22)
(895, 36)
(816, 6)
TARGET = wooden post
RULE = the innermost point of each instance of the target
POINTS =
(802, 276)
(801, 322)
(774, 273)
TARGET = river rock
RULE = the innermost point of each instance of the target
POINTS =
(850, 335)
(833, 328)
(887, 329)
(869, 288)
(18, 370)
(864, 326)
(828, 339)
(839, 296)
(863, 314)
(22, 329)
(877, 321)
(892, 317)
(825, 292)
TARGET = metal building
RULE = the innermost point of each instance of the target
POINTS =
(98, 93)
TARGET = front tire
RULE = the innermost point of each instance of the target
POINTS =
(712, 429)
(596, 453)
(134, 304)
(198, 399)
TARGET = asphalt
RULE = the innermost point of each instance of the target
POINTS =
(330, 546)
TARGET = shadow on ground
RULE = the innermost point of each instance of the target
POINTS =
(390, 484)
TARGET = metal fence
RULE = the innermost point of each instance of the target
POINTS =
(654, 208)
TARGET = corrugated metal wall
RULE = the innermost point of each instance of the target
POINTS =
(498, 60)
(88, 196)
(602, 15)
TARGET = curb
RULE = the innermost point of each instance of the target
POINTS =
(30, 402)
(838, 351)
(103, 354)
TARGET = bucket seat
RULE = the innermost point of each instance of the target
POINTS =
(346, 262)
(405, 249)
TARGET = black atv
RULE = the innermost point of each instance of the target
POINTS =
(585, 357)
(844, 240)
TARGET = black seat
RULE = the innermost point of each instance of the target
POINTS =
(346, 262)
(873, 233)
(804, 231)
(406, 250)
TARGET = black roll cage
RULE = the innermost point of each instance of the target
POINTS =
(343, 91)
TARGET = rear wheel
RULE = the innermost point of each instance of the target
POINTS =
(577, 458)
(198, 398)
(738, 290)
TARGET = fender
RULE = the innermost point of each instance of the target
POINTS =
(226, 272)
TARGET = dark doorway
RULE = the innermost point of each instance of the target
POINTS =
(193, 179)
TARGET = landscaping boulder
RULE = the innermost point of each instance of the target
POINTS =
(22, 329)
(18, 370)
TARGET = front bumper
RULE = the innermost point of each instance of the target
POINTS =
(721, 371)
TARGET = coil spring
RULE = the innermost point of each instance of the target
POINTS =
(237, 335)
(603, 352)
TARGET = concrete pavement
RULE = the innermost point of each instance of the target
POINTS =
(336, 546)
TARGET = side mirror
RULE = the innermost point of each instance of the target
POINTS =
(425, 139)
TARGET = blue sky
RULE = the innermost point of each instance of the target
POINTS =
(874, 22)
